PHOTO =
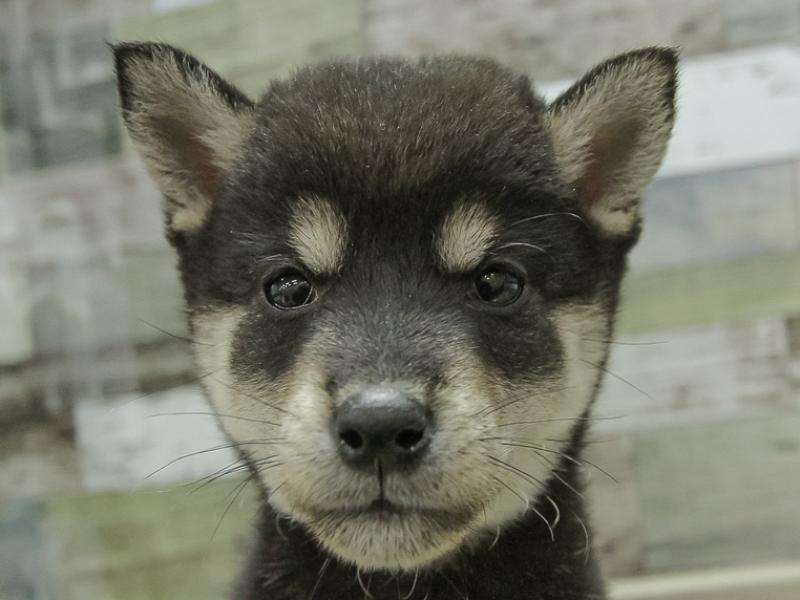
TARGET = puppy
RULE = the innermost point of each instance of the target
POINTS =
(401, 278)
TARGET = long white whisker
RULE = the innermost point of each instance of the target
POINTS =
(413, 586)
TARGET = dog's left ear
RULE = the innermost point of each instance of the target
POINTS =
(610, 132)
(186, 122)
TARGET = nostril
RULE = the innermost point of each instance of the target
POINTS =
(406, 439)
(352, 439)
(381, 422)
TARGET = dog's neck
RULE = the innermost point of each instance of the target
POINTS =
(525, 562)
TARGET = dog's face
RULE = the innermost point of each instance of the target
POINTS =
(400, 277)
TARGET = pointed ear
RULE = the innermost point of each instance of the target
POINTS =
(610, 133)
(187, 123)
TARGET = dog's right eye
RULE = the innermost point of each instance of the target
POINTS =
(499, 287)
(289, 290)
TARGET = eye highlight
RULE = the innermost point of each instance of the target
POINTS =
(498, 286)
(289, 290)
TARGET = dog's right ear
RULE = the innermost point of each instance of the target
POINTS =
(187, 123)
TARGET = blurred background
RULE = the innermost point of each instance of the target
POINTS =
(703, 404)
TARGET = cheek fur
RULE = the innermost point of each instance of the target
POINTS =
(536, 422)
(248, 407)
(519, 346)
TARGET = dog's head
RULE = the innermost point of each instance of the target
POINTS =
(400, 276)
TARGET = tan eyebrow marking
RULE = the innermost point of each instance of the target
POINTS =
(466, 236)
(318, 234)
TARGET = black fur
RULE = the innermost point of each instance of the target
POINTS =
(396, 157)
(395, 145)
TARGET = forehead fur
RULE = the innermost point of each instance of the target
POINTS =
(381, 127)
(318, 234)
(465, 237)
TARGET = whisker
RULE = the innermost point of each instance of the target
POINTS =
(556, 419)
(617, 377)
(274, 490)
(555, 474)
(278, 526)
(182, 338)
(265, 465)
(484, 412)
(216, 477)
(495, 540)
(266, 442)
(581, 462)
(546, 215)
(212, 414)
(623, 343)
(587, 545)
(524, 245)
(586, 442)
(237, 390)
(238, 489)
(189, 455)
(525, 499)
(413, 586)
(548, 391)
(272, 258)
(453, 585)
(203, 481)
(530, 478)
(323, 569)
(528, 505)
(365, 589)
(557, 518)
(242, 467)
(257, 239)
(159, 391)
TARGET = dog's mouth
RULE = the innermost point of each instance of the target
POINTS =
(383, 534)
(383, 510)
(382, 506)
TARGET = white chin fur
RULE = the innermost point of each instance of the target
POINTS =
(391, 542)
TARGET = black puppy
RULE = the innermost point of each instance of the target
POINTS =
(401, 279)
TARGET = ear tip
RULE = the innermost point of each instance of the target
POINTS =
(662, 60)
(127, 54)
(666, 56)
(127, 51)
(124, 53)
(652, 60)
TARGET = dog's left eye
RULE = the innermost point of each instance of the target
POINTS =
(499, 287)
(289, 290)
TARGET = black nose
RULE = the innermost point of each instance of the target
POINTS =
(382, 423)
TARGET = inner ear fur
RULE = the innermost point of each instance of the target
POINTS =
(610, 132)
(187, 123)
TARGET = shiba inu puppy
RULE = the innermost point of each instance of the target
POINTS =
(401, 279)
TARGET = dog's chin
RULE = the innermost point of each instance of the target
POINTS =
(384, 536)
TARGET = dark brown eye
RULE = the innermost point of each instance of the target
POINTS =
(289, 290)
(498, 287)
